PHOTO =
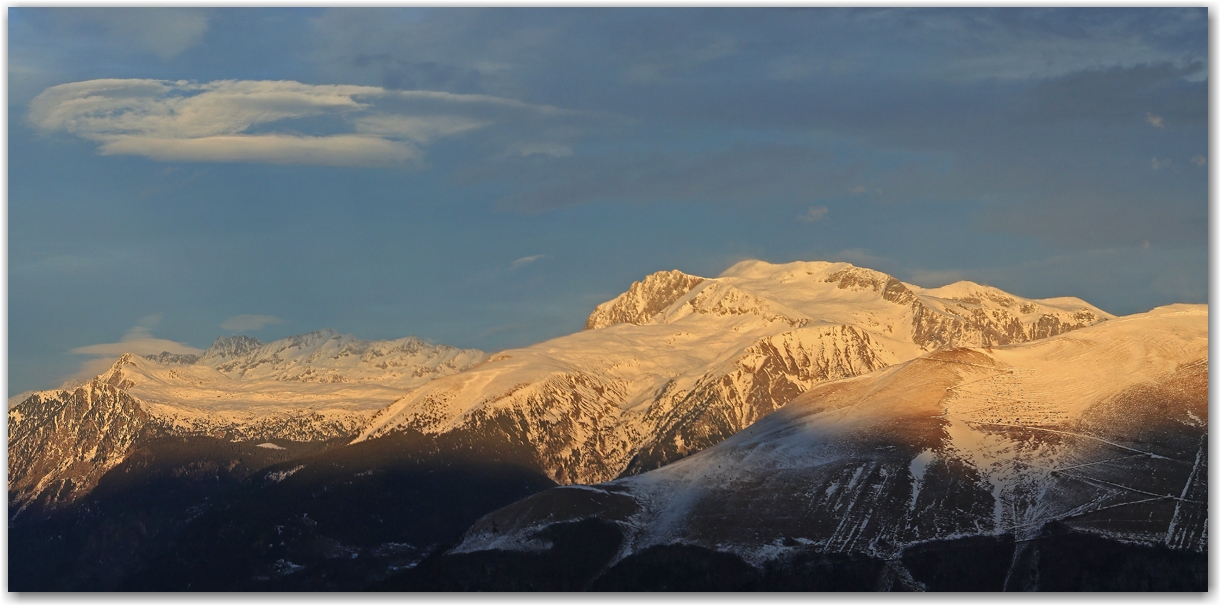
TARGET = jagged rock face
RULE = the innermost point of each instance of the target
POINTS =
(678, 363)
(61, 442)
(1103, 432)
(167, 358)
(227, 348)
(769, 374)
(643, 300)
(973, 316)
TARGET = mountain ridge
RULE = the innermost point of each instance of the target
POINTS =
(678, 362)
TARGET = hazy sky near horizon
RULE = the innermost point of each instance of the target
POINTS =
(484, 178)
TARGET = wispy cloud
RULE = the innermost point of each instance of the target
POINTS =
(1156, 120)
(164, 32)
(551, 149)
(1199, 160)
(242, 323)
(280, 122)
(138, 340)
(814, 213)
(527, 260)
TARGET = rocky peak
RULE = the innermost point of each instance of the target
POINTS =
(116, 376)
(230, 347)
(643, 300)
(167, 358)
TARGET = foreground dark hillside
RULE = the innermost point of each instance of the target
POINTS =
(1059, 559)
(207, 514)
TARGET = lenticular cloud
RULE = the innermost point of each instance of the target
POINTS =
(278, 122)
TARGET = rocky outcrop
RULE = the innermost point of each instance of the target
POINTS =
(643, 300)
(770, 374)
(61, 442)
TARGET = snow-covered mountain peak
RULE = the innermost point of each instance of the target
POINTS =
(760, 269)
(970, 292)
(677, 362)
(119, 374)
(643, 300)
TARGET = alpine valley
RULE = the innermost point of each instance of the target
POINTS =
(801, 426)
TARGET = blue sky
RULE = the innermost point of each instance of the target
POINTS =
(484, 178)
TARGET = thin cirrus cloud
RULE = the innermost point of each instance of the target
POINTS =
(241, 323)
(276, 122)
(813, 214)
(527, 260)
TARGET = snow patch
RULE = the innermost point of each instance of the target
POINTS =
(278, 476)
(919, 467)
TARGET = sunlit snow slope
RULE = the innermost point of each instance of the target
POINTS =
(1103, 429)
(679, 362)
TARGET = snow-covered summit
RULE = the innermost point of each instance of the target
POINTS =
(678, 362)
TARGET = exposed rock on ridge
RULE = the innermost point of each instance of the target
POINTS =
(643, 300)
(61, 442)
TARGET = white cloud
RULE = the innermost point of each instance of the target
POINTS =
(280, 122)
(1199, 160)
(521, 262)
(337, 150)
(165, 32)
(414, 128)
(1156, 120)
(139, 340)
(1158, 164)
(814, 213)
(242, 323)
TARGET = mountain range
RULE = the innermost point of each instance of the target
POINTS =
(766, 427)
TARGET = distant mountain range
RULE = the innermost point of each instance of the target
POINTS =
(316, 386)
(787, 415)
